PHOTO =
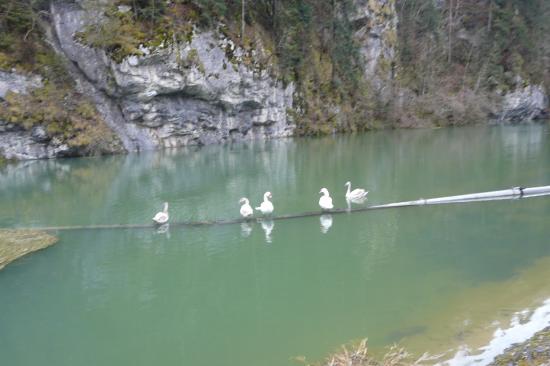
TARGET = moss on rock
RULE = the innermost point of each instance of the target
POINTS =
(15, 244)
(64, 114)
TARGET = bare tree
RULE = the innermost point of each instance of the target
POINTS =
(242, 20)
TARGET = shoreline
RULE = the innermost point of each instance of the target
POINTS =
(534, 351)
(15, 244)
(13, 161)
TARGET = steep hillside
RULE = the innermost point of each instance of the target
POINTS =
(85, 77)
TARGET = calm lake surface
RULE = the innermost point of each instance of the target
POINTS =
(432, 278)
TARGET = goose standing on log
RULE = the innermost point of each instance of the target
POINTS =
(162, 216)
(325, 201)
(266, 208)
(246, 209)
(358, 195)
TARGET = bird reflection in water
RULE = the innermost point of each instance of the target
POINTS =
(326, 223)
(267, 226)
(164, 229)
(246, 229)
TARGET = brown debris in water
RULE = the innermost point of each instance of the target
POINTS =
(15, 244)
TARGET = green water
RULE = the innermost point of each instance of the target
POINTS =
(219, 295)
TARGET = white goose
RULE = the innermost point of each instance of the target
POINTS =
(246, 209)
(162, 216)
(357, 194)
(266, 207)
(325, 201)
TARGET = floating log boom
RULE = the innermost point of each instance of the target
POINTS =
(505, 194)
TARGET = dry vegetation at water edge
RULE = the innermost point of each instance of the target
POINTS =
(358, 355)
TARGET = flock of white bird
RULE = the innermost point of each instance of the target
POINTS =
(357, 195)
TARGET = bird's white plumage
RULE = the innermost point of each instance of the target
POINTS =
(162, 217)
(325, 201)
(357, 194)
(266, 207)
(246, 209)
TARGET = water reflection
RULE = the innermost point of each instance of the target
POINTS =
(326, 223)
(404, 266)
(267, 226)
(164, 229)
(246, 229)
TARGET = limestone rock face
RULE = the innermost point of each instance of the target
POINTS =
(17, 83)
(376, 33)
(15, 141)
(19, 144)
(182, 93)
(524, 105)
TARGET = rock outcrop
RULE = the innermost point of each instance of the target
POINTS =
(19, 144)
(181, 93)
(15, 141)
(376, 33)
(17, 83)
(524, 105)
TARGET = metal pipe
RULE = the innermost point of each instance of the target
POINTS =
(512, 193)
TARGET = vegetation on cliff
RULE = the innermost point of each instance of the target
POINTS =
(65, 114)
(306, 42)
(454, 57)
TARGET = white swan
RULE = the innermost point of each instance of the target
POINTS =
(357, 194)
(266, 207)
(246, 210)
(325, 201)
(162, 216)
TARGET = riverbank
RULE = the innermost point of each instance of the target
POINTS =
(15, 244)
(534, 351)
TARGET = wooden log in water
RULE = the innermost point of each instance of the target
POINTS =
(506, 194)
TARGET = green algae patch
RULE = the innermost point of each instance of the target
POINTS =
(15, 244)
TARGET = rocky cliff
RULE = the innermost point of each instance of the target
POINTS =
(209, 87)
(376, 34)
(181, 93)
